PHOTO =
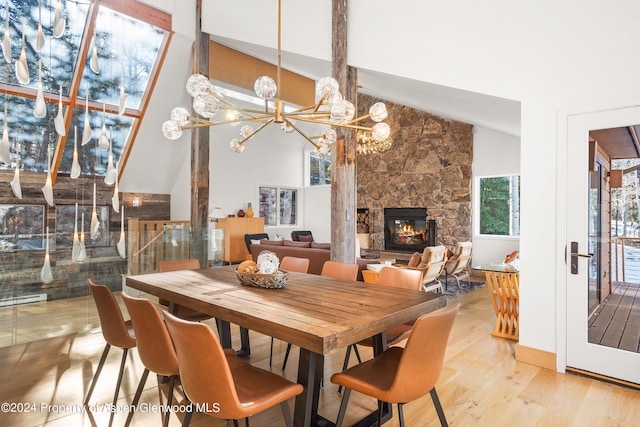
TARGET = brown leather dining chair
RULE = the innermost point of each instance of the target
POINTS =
(238, 389)
(155, 347)
(340, 270)
(400, 375)
(180, 311)
(298, 265)
(336, 270)
(116, 332)
(399, 278)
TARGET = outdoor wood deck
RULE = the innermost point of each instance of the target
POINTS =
(616, 323)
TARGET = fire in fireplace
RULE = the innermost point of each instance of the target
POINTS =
(407, 229)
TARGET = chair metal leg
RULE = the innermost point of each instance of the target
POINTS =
(355, 350)
(286, 356)
(189, 414)
(436, 403)
(288, 421)
(343, 407)
(172, 384)
(136, 398)
(400, 415)
(246, 422)
(97, 374)
(125, 351)
(345, 364)
(271, 352)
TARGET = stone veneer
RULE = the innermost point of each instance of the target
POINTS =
(429, 165)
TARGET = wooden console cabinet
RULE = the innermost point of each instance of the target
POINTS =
(235, 249)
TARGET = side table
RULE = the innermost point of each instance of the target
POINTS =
(503, 283)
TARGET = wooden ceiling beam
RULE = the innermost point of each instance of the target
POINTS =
(239, 69)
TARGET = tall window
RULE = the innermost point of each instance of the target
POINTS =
(319, 169)
(21, 227)
(278, 206)
(499, 205)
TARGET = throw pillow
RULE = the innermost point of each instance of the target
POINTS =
(296, 244)
(305, 238)
(271, 242)
(415, 259)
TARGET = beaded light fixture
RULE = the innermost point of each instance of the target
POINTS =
(330, 109)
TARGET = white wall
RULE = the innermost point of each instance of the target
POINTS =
(494, 153)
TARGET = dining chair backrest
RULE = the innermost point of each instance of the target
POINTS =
(340, 270)
(114, 328)
(400, 278)
(204, 371)
(182, 264)
(415, 377)
(155, 347)
(295, 264)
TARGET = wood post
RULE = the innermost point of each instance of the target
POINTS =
(200, 154)
(343, 157)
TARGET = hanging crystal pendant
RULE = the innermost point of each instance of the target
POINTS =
(40, 38)
(45, 274)
(22, 69)
(86, 132)
(5, 154)
(103, 142)
(115, 199)
(75, 165)
(6, 39)
(121, 246)
(82, 255)
(123, 98)
(15, 182)
(40, 107)
(47, 190)
(110, 176)
(93, 62)
(59, 120)
(75, 251)
(94, 230)
(59, 21)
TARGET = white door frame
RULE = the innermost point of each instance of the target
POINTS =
(562, 213)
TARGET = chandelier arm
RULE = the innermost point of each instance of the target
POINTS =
(357, 119)
(319, 114)
(267, 123)
(324, 122)
(300, 132)
(197, 119)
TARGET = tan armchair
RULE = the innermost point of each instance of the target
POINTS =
(459, 264)
(432, 265)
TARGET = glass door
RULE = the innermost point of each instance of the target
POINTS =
(595, 237)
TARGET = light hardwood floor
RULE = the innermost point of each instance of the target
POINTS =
(481, 384)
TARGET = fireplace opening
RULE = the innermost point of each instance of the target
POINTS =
(407, 229)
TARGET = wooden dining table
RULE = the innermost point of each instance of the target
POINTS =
(319, 314)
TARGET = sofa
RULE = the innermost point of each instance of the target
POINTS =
(317, 253)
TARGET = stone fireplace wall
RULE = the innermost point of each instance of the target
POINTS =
(429, 165)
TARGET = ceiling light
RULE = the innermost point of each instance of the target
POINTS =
(330, 109)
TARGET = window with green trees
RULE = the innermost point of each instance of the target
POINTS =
(500, 205)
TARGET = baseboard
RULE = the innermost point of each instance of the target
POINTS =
(535, 357)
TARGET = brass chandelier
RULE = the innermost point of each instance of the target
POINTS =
(330, 109)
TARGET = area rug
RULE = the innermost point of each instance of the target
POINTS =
(452, 290)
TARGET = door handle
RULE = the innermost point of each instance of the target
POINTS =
(574, 257)
(582, 255)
